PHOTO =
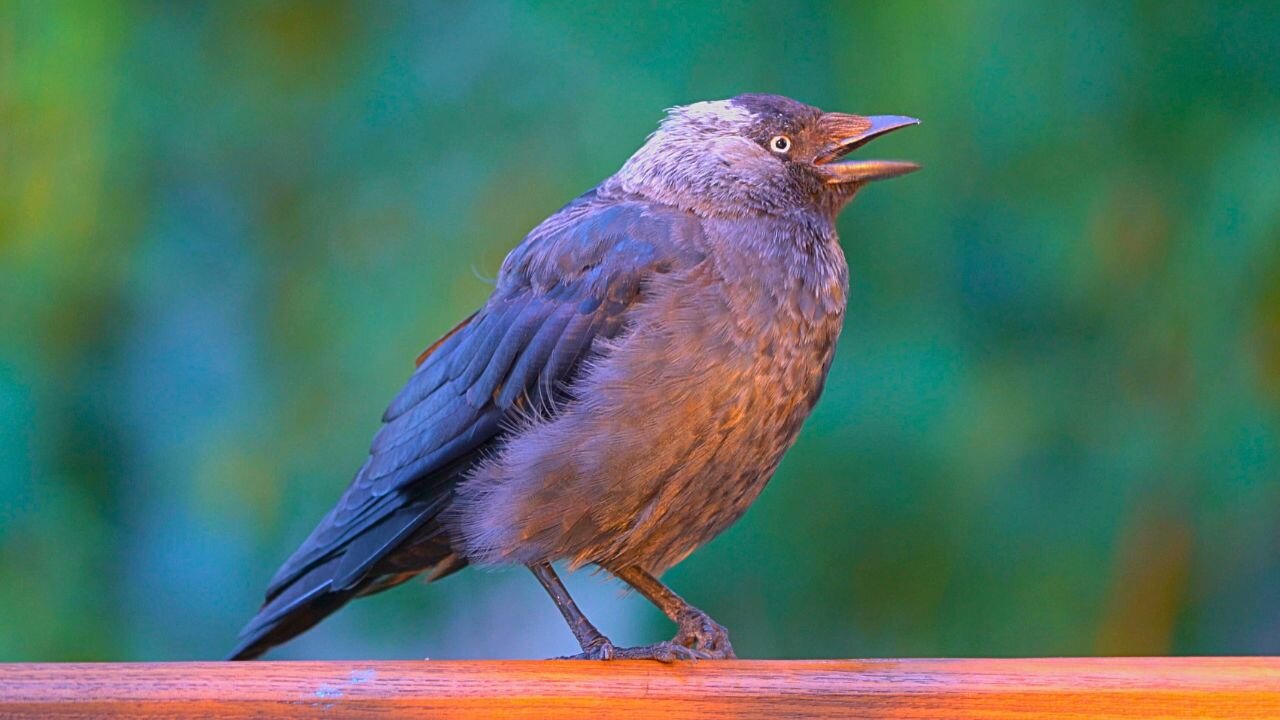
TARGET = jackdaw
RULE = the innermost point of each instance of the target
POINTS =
(649, 353)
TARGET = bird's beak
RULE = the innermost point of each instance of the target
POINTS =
(850, 132)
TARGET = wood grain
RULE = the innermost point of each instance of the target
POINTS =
(989, 689)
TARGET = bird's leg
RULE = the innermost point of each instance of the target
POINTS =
(595, 646)
(697, 631)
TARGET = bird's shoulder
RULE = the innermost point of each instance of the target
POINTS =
(601, 240)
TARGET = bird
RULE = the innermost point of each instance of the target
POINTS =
(647, 356)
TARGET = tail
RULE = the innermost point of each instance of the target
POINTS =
(294, 611)
(383, 556)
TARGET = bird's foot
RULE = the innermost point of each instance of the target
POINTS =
(665, 652)
(704, 635)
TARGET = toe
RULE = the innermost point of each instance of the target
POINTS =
(665, 652)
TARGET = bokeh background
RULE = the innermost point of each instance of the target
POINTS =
(1053, 425)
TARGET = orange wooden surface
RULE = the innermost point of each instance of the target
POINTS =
(990, 689)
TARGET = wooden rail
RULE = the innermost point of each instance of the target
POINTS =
(988, 689)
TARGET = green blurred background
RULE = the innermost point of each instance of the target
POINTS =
(1053, 425)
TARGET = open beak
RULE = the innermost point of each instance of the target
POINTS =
(850, 132)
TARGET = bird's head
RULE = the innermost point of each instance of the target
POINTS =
(759, 154)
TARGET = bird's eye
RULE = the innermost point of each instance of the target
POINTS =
(780, 143)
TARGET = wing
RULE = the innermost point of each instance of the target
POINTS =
(562, 291)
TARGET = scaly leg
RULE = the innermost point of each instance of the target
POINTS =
(595, 646)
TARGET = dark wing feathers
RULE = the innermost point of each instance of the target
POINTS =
(433, 367)
(506, 317)
(518, 335)
(534, 356)
(573, 341)
(570, 283)
(367, 548)
(465, 442)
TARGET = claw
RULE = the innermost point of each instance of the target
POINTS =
(699, 632)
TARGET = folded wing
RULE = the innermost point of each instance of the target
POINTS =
(569, 285)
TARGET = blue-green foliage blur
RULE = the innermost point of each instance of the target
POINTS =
(1053, 425)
